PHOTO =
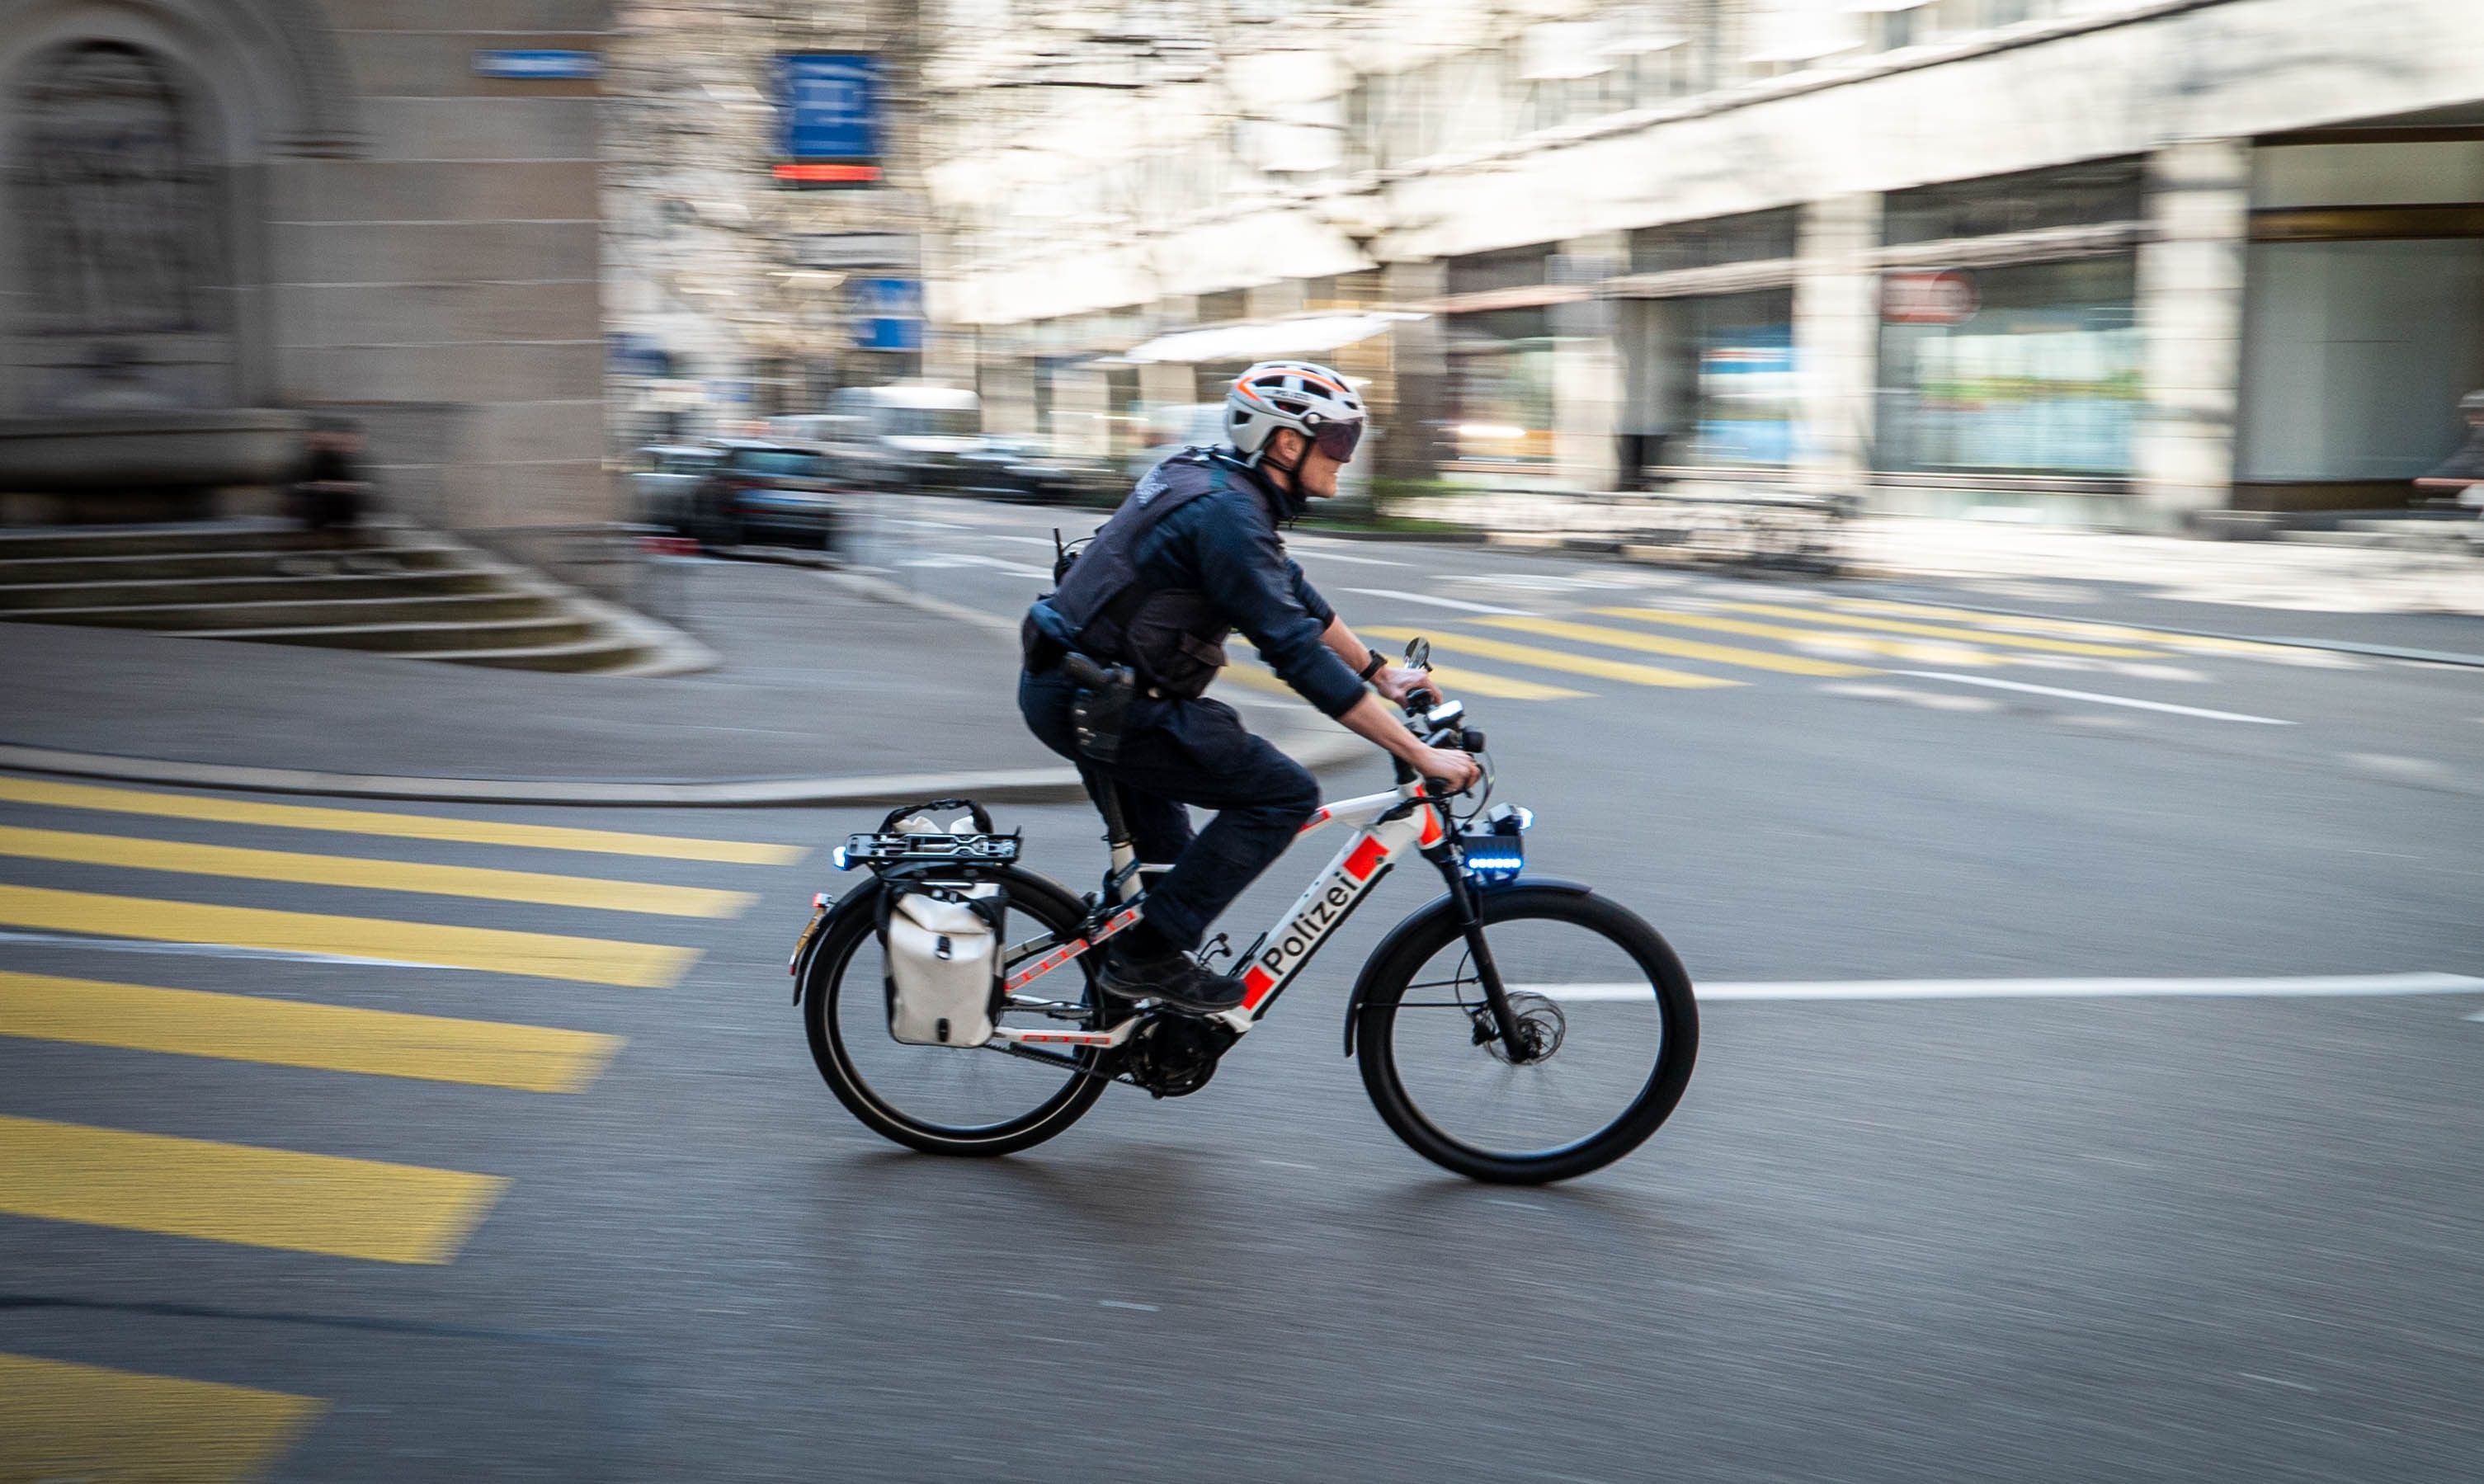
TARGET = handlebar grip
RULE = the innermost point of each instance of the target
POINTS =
(1420, 700)
(1471, 739)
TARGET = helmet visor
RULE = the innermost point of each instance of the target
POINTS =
(1337, 440)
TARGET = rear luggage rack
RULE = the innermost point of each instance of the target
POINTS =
(891, 850)
(888, 846)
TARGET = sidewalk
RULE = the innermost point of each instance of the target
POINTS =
(829, 691)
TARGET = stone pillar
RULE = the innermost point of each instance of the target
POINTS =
(1837, 344)
(1411, 437)
(1167, 383)
(1082, 397)
(2190, 299)
(1587, 370)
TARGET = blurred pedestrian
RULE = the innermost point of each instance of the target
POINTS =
(2461, 476)
(2462, 473)
(329, 496)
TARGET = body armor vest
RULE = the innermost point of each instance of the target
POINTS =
(1173, 637)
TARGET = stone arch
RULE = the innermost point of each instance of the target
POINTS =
(169, 233)
(272, 69)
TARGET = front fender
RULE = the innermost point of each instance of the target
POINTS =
(864, 898)
(1423, 918)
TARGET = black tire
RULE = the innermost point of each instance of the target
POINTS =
(828, 988)
(1631, 941)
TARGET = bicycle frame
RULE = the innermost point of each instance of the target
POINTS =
(1403, 816)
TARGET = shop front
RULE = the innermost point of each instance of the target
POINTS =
(1501, 380)
(2364, 315)
(2026, 372)
(1707, 342)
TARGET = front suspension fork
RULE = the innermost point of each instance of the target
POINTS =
(1469, 911)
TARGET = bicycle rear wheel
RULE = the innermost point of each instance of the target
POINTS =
(1611, 1027)
(951, 1100)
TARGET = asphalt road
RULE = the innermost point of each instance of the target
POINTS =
(2063, 1237)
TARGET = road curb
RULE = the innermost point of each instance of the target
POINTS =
(1019, 785)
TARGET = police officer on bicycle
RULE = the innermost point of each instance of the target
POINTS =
(1190, 557)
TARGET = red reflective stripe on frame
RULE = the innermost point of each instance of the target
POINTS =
(1046, 964)
(1313, 823)
(1366, 857)
(1255, 986)
(1432, 832)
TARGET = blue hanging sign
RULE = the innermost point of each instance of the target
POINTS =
(829, 102)
(539, 66)
(887, 313)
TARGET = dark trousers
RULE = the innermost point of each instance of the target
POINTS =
(1175, 754)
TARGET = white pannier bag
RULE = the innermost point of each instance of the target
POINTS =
(943, 948)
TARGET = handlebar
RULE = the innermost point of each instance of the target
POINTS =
(1438, 724)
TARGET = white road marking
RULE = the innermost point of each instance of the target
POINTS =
(999, 535)
(1325, 555)
(1145, 1308)
(2291, 988)
(2091, 695)
(1934, 700)
(969, 559)
(2399, 767)
(1439, 602)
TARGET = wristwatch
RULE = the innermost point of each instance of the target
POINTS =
(1373, 665)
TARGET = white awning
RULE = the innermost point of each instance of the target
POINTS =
(1267, 339)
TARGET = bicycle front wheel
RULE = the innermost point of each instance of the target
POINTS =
(1607, 1020)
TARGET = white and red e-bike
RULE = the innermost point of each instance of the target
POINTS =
(1517, 1029)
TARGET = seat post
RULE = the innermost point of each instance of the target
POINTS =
(1107, 795)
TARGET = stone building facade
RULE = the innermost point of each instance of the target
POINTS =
(218, 216)
(2112, 260)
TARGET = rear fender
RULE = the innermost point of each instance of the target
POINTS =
(1421, 921)
(863, 900)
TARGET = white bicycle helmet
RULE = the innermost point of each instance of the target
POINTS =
(1309, 398)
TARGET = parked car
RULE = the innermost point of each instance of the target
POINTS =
(906, 435)
(667, 478)
(1010, 466)
(759, 487)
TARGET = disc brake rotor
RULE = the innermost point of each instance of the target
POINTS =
(1541, 1026)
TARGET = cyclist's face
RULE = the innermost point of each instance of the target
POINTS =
(1315, 477)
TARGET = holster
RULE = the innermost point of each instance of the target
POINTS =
(1099, 710)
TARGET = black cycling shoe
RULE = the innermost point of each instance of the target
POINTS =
(1176, 980)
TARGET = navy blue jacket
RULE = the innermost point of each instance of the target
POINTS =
(1225, 544)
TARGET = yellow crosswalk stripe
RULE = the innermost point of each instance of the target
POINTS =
(493, 950)
(238, 1192)
(373, 874)
(2082, 627)
(404, 827)
(1563, 659)
(288, 1033)
(1933, 631)
(65, 1421)
(1684, 649)
(1456, 678)
(1465, 679)
(1946, 651)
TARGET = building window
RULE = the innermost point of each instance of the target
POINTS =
(1754, 236)
(1510, 268)
(2032, 370)
(2069, 196)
